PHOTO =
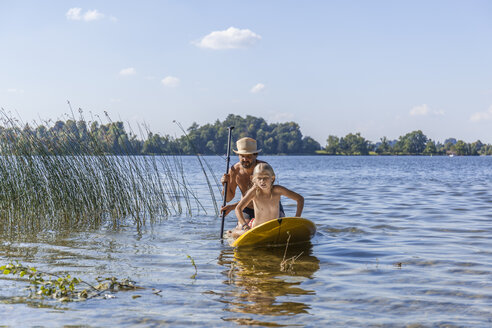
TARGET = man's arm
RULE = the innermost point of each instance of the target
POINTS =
(230, 178)
(228, 208)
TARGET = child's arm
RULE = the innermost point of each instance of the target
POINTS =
(245, 200)
(292, 195)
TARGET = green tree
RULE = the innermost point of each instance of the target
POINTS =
(332, 145)
(476, 147)
(309, 145)
(354, 144)
(384, 147)
(486, 150)
(412, 143)
(461, 148)
(276, 138)
(152, 145)
(448, 143)
(430, 148)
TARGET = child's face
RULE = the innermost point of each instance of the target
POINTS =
(264, 180)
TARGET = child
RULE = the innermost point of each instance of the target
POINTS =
(265, 197)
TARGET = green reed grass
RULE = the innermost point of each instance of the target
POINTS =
(201, 160)
(42, 180)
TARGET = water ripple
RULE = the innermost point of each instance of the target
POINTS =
(401, 241)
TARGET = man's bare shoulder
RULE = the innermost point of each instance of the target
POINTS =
(235, 168)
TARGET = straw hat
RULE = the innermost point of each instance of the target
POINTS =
(246, 146)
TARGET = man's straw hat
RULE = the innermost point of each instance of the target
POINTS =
(246, 146)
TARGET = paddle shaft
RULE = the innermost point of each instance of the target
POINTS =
(226, 183)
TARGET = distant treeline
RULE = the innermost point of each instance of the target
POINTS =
(274, 138)
(413, 143)
(92, 137)
(83, 137)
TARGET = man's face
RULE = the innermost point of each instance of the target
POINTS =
(247, 161)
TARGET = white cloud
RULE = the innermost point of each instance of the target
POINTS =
(89, 15)
(14, 90)
(170, 81)
(128, 71)
(482, 116)
(420, 110)
(232, 38)
(74, 14)
(257, 88)
(113, 19)
(280, 117)
(424, 110)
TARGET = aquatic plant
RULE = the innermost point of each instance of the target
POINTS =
(64, 288)
(201, 161)
(44, 179)
(287, 265)
(194, 265)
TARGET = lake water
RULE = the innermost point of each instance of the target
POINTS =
(401, 241)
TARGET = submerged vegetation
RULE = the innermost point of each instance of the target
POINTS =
(64, 174)
(64, 288)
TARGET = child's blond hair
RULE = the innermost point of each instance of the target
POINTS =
(263, 167)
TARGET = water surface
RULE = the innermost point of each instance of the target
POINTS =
(401, 241)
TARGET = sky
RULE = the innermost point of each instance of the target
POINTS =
(380, 68)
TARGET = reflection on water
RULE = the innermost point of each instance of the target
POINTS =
(266, 281)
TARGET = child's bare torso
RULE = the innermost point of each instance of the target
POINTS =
(243, 179)
(266, 207)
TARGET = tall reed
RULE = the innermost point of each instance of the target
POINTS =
(42, 180)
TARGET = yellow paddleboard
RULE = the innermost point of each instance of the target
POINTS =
(277, 232)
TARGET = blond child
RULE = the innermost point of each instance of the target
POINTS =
(265, 197)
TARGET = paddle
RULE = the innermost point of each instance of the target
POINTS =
(225, 184)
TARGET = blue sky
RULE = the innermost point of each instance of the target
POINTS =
(381, 68)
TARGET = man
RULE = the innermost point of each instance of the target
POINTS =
(239, 175)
